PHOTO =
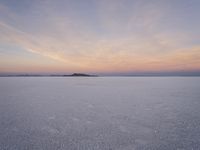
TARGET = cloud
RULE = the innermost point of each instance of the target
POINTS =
(129, 40)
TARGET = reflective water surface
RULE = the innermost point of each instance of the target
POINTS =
(99, 113)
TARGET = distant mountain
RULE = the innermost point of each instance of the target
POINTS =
(81, 75)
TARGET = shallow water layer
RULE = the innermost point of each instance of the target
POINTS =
(99, 113)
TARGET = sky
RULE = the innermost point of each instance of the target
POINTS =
(99, 36)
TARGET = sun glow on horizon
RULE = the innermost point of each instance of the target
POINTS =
(99, 36)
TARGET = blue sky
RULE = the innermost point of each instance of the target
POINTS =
(100, 36)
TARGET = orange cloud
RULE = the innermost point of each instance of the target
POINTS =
(75, 48)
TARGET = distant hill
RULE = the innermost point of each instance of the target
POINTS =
(81, 75)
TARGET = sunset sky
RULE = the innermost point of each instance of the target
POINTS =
(99, 36)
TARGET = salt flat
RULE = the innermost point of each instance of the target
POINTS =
(99, 113)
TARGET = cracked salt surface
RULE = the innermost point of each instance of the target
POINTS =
(104, 113)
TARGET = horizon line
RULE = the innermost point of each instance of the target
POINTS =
(145, 74)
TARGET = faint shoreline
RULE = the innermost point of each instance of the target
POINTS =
(21, 75)
(50, 75)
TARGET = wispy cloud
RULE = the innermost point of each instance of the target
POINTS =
(124, 40)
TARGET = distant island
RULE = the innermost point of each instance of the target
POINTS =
(50, 75)
(82, 75)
